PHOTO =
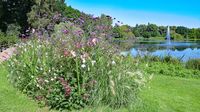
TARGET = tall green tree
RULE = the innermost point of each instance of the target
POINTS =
(40, 15)
(182, 30)
(14, 12)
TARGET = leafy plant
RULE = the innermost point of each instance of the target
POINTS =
(193, 64)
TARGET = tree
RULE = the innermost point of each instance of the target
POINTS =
(182, 30)
(153, 30)
(70, 12)
(14, 12)
(40, 15)
(192, 33)
(162, 30)
(124, 32)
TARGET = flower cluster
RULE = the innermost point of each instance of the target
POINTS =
(66, 86)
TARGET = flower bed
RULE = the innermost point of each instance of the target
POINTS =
(71, 71)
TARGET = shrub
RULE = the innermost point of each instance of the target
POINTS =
(6, 41)
(193, 64)
(13, 30)
(170, 59)
(70, 71)
(169, 69)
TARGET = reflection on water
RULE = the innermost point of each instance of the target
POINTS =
(181, 50)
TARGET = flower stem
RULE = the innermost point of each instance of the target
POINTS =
(78, 77)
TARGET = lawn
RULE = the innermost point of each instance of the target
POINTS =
(163, 94)
(173, 94)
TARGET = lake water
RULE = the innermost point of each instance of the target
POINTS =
(181, 50)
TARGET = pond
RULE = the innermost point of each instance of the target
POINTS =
(182, 50)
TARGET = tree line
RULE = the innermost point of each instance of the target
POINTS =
(152, 30)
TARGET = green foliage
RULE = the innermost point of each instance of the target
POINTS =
(14, 12)
(7, 40)
(170, 69)
(40, 15)
(178, 33)
(193, 64)
(70, 12)
(13, 30)
(177, 36)
(123, 32)
(182, 31)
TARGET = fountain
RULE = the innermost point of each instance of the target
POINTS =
(178, 49)
(168, 35)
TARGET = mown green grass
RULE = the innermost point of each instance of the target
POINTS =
(173, 94)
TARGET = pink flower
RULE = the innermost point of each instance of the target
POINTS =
(92, 41)
(66, 86)
(66, 53)
(67, 90)
(78, 45)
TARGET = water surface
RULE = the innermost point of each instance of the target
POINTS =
(181, 50)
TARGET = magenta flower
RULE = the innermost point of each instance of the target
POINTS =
(65, 31)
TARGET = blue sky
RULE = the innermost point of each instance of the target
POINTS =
(161, 12)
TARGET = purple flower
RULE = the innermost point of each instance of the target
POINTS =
(78, 32)
(65, 31)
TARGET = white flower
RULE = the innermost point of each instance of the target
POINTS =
(93, 62)
(83, 65)
(46, 81)
(113, 62)
(73, 53)
(38, 85)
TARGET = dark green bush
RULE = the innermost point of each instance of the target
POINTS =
(6, 41)
(172, 60)
(193, 64)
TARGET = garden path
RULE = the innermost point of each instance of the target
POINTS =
(6, 54)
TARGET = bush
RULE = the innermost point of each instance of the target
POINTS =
(172, 60)
(6, 41)
(13, 30)
(70, 71)
(193, 64)
(170, 69)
